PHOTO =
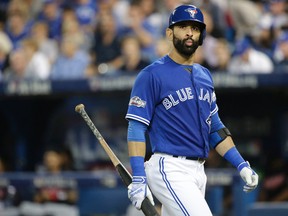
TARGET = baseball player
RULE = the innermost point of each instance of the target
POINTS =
(173, 99)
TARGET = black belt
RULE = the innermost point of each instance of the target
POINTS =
(191, 158)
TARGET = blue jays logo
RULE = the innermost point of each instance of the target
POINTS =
(192, 12)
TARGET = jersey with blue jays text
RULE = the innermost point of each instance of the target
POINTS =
(176, 102)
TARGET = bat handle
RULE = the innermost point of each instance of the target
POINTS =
(148, 209)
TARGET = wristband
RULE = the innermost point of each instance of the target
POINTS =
(242, 165)
(137, 166)
(234, 157)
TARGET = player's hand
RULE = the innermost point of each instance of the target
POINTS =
(249, 176)
(138, 190)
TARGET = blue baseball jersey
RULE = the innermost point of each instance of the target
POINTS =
(176, 102)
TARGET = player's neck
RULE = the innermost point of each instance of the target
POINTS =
(180, 59)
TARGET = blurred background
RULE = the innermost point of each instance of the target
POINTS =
(55, 54)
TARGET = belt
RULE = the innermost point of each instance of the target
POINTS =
(199, 159)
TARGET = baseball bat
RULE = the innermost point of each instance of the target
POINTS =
(147, 208)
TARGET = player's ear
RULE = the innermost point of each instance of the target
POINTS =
(169, 34)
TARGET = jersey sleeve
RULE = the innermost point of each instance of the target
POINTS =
(214, 107)
(216, 123)
(143, 98)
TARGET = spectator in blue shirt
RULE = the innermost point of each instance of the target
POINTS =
(71, 63)
(17, 27)
(51, 14)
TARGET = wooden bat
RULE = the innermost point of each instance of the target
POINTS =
(147, 208)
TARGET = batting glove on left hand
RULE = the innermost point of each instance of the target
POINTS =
(138, 190)
(249, 176)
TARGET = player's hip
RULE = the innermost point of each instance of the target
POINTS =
(176, 167)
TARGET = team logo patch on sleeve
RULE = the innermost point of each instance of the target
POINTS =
(137, 101)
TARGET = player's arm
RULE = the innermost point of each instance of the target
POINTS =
(221, 140)
(138, 189)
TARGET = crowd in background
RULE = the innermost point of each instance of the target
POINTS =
(76, 39)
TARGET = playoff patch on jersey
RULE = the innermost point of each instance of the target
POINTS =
(137, 101)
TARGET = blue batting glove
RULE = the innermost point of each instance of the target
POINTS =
(138, 190)
(249, 176)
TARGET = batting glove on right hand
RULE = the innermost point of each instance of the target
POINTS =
(138, 190)
(249, 176)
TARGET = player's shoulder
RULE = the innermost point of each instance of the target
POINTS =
(157, 65)
(203, 70)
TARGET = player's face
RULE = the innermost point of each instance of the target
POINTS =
(186, 38)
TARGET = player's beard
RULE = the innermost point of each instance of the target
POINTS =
(182, 48)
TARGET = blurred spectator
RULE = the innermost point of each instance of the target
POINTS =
(245, 15)
(51, 14)
(86, 14)
(71, 63)
(210, 42)
(38, 65)
(19, 6)
(55, 195)
(139, 26)
(133, 61)
(119, 9)
(281, 54)
(56, 160)
(247, 59)
(199, 57)
(17, 27)
(270, 26)
(52, 161)
(5, 49)
(274, 187)
(106, 49)
(35, 7)
(152, 15)
(162, 47)
(17, 66)
(218, 15)
(9, 196)
(276, 16)
(263, 39)
(32, 7)
(222, 52)
(46, 45)
(165, 9)
(68, 13)
(71, 28)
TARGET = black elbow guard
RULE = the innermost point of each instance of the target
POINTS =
(218, 136)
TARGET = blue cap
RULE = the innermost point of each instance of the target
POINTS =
(188, 13)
